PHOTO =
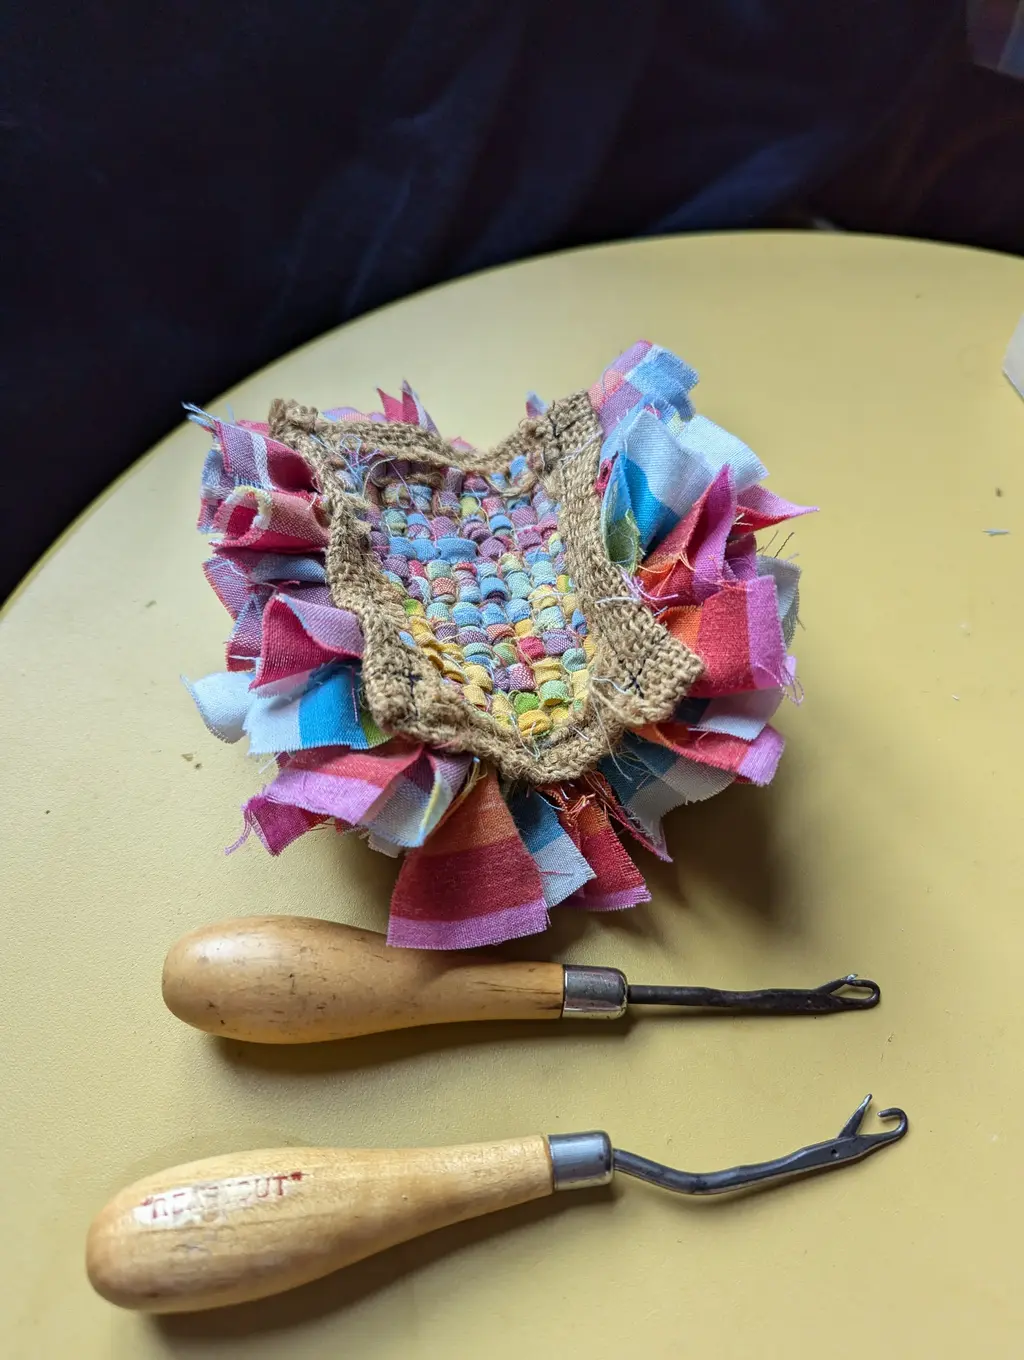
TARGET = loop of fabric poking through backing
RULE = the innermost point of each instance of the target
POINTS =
(436, 677)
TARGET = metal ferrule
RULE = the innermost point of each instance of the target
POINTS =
(594, 993)
(580, 1159)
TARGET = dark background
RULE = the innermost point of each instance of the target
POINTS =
(192, 190)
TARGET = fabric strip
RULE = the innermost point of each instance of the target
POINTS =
(474, 883)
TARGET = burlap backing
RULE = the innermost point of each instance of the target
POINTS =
(639, 672)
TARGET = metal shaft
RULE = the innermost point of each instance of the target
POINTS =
(850, 993)
(850, 1145)
(604, 994)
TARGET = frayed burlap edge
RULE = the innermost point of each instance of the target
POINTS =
(639, 671)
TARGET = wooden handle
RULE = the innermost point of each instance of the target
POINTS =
(234, 1228)
(293, 980)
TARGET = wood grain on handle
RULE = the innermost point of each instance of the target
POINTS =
(294, 979)
(235, 1228)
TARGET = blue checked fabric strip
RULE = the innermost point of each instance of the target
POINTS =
(665, 457)
(325, 712)
(563, 870)
(651, 780)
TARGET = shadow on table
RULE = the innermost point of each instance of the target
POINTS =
(729, 845)
(352, 1285)
(726, 844)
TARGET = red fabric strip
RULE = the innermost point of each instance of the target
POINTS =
(617, 881)
(473, 864)
(723, 644)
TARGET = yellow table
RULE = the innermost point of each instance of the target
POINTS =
(866, 373)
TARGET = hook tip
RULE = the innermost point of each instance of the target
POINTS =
(894, 1112)
(871, 992)
(851, 1129)
(874, 992)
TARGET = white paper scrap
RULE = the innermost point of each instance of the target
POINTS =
(1013, 364)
